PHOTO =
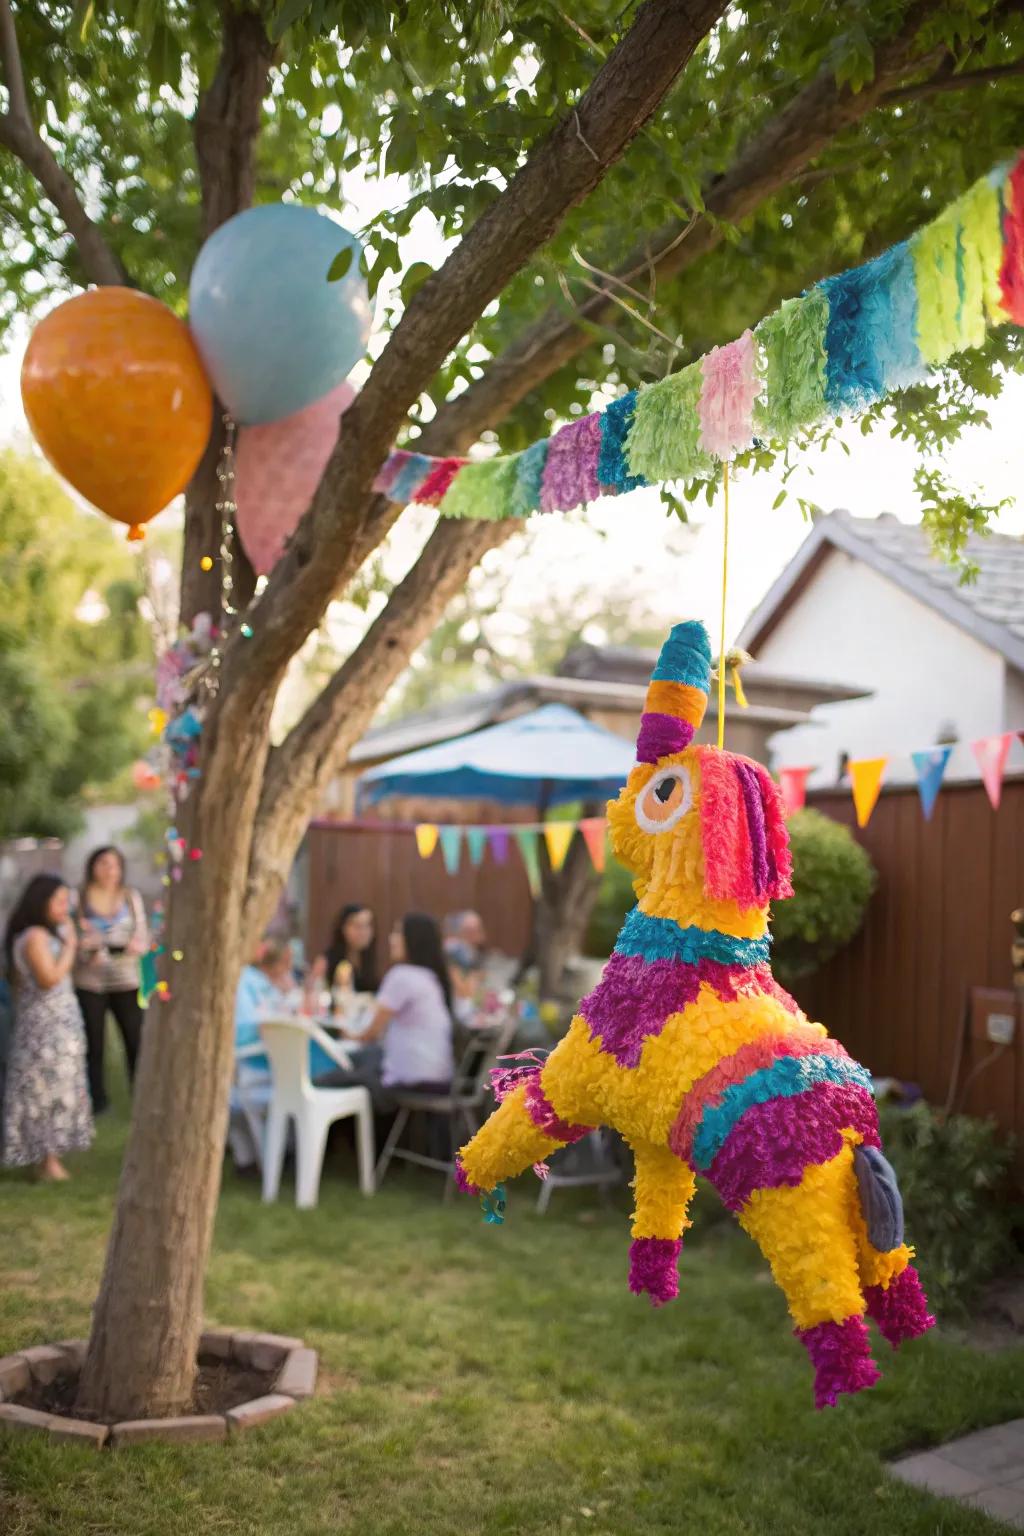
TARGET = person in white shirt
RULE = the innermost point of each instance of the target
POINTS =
(412, 1020)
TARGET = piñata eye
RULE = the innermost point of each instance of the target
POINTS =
(664, 800)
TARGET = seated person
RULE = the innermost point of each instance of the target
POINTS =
(412, 1020)
(264, 989)
(350, 962)
(465, 949)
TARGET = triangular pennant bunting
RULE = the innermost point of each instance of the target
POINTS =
(990, 753)
(595, 836)
(793, 783)
(929, 767)
(498, 839)
(451, 845)
(476, 843)
(528, 848)
(559, 835)
(426, 839)
(866, 777)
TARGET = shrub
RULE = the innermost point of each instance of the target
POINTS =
(833, 877)
(614, 900)
(954, 1176)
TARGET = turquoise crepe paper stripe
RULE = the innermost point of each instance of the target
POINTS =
(613, 466)
(659, 938)
(784, 1079)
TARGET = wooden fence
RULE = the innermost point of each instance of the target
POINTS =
(937, 925)
(380, 865)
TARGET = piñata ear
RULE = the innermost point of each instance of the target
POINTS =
(743, 831)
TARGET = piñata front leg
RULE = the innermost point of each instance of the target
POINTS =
(807, 1237)
(523, 1130)
(663, 1187)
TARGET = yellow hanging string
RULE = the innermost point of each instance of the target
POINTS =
(725, 585)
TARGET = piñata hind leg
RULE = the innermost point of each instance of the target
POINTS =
(806, 1234)
(522, 1131)
(663, 1187)
(896, 1302)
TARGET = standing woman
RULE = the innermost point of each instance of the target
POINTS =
(46, 1102)
(112, 937)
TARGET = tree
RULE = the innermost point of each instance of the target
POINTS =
(72, 679)
(134, 130)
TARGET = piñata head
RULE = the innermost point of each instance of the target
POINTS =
(702, 830)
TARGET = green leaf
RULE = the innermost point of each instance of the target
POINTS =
(341, 263)
(82, 18)
(287, 14)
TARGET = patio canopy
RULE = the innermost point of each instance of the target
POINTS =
(551, 756)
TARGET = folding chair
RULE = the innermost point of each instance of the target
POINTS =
(462, 1107)
(251, 1098)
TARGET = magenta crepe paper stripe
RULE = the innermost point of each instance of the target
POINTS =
(660, 736)
(771, 1144)
(570, 472)
(542, 1112)
(635, 998)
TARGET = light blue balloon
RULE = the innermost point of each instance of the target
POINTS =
(274, 334)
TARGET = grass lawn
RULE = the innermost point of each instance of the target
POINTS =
(480, 1379)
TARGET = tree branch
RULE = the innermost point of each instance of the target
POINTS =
(224, 131)
(18, 133)
(556, 176)
(299, 771)
(938, 84)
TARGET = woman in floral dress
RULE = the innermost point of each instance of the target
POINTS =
(46, 1098)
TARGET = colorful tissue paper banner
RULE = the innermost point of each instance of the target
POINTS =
(595, 835)
(426, 839)
(558, 836)
(990, 754)
(527, 841)
(930, 767)
(476, 845)
(866, 778)
(451, 848)
(841, 347)
(793, 783)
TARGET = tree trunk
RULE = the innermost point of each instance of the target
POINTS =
(563, 910)
(147, 1318)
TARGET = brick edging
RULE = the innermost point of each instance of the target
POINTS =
(44, 1363)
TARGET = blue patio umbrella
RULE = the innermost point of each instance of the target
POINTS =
(551, 756)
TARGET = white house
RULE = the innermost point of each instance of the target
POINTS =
(865, 600)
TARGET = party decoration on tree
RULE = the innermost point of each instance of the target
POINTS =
(691, 1050)
(117, 399)
(144, 776)
(929, 767)
(866, 775)
(793, 784)
(990, 753)
(843, 345)
(279, 308)
(277, 468)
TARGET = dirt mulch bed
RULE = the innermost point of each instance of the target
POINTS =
(220, 1385)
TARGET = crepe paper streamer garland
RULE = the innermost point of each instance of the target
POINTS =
(845, 344)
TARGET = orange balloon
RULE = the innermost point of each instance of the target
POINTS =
(117, 399)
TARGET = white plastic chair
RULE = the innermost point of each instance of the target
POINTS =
(313, 1111)
(250, 1096)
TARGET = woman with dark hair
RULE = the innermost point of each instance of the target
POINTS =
(351, 947)
(113, 936)
(412, 1018)
(46, 1102)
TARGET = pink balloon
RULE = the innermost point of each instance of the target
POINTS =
(277, 468)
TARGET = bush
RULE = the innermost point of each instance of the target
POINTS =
(954, 1176)
(614, 900)
(833, 877)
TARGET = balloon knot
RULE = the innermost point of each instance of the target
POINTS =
(135, 533)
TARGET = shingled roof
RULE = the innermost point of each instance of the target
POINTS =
(991, 608)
